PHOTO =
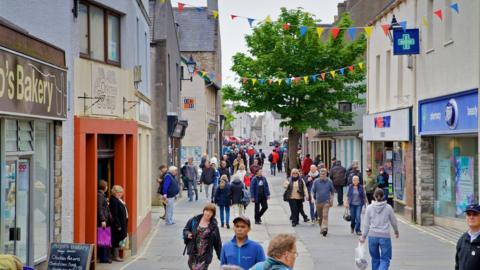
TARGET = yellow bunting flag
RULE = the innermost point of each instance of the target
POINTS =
(279, 81)
(425, 21)
(305, 79)
(162, 1)
(204, 73)
(333, 73)
(319, 31)
(254, 81)
(360, 65)
(368, 31)
(268, 19)
(215, 14)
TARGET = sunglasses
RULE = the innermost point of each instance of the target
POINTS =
(471, 213)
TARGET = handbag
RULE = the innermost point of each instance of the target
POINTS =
(346, 215)
(104, 237)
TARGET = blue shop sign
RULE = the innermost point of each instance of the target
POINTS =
(452, 114)
(406, 41)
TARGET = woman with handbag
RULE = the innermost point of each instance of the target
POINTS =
(103, 223)
(356, 199)
(201, 236)
(119, 212)
(295, 192)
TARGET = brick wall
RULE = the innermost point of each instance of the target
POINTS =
(58, 183)
(425, 179)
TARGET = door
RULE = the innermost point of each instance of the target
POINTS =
(16, 211)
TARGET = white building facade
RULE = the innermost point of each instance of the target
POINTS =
(242, 125)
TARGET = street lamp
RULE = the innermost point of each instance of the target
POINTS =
(393, 26)
(191, 66)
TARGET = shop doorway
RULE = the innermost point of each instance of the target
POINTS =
(16, 191)
(105, 160)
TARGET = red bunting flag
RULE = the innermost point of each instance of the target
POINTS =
(323, 76)
(286, 26)
(439, 14)
(218, 77)
(195, 72)
(335, 31)
(180, 7)
(297, 80)
(233, 17)
(270, 82)
(351, 68)
(386, 28)
(244, 80)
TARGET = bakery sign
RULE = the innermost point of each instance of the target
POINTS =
(31, 88)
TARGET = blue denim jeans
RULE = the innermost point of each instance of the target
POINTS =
(224, 214)
(356, 213)
(385, 194)
(273, 168)
(169, 211)
(192, 187)
(381, 252)
(313, 215)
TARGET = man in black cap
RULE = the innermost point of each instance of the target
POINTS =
(468, 246)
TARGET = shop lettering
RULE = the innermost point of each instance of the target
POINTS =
(435, 116)
(472, 111)
(27, 86)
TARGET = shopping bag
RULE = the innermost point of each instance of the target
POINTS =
(346, 215)
(104, 237)
(361, 256)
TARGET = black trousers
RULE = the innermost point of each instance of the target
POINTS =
(339, 190)
(296, 206)
(259, 212)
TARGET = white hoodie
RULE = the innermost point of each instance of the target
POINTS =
(378, 218)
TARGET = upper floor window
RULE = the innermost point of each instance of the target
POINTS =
(99, 34)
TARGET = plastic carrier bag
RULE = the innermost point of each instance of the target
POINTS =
(361, 257)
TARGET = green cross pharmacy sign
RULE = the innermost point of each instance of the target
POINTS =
(406, 42)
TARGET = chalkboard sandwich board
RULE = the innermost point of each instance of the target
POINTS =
(69, 256)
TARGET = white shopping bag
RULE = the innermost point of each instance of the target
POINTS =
(361, 257)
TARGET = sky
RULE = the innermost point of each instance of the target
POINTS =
(233, 31)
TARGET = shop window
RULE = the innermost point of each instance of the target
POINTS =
(19, 136)
(99, 34)
(456, 171)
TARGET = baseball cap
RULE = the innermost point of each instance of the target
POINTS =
(473, 208)
(242, 218)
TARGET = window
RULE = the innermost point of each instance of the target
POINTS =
(19, 136)
(94, 42)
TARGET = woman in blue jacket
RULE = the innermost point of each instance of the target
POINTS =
(223, 198)
(356, 199)
(260, 193)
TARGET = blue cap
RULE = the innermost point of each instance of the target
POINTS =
(473, 208)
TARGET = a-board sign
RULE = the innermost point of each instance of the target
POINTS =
(69, 256)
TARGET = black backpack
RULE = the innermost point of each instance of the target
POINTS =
(270, 158)
(160, 186)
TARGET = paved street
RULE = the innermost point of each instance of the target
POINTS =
(415, 250)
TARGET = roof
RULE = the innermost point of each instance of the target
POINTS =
(196, 30)
(387, 9)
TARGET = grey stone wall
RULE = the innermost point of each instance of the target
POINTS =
(425, 168)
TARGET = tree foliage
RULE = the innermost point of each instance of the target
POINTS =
(274, 52)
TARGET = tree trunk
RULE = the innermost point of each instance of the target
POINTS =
(293, 137)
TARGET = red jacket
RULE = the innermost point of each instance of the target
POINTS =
(275, 157)
(307, 162)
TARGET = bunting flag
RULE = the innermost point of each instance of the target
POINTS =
(250, 21)
(386, 28)
(262, 81)
(454, 6)
(204, 73)
(425, 22)
(303, 30)
(162, 1)
(279, 81)
(335, 31)
(195, 72)
(333, 73)
(286, 26)
(268, 19)
(403, 24)
(297, 80)
(351, 68)
(342, 71)
(323, 76)
(254, 81)
(319, 31)
(180, 7)
(270, 82)
(233, 17)
(360, 65)
(288, 81)
(215, 14)
(201, 9)
(314, 78)
(244, 80)
(439, 14)
(305, 79)
(368, 31)
(351, 32)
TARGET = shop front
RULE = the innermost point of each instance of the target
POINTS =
(388, 144)
(451, 122)
(32, 108)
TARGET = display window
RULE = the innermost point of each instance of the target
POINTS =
(456, 171)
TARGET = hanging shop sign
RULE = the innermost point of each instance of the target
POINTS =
(30, 87)
(388, 126)
(406, 42)
(452, 114)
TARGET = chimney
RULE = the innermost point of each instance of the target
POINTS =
(212, 4)
(342, 7)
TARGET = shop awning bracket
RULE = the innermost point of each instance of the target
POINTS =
(125, 101)
(85, 97)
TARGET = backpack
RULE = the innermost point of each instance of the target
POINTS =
(245, 196)
(270, 158)
(160, 186)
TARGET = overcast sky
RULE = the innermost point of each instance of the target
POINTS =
(233, 32)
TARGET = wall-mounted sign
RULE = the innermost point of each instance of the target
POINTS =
(457, 113)
(105, 85)
(388, 126)
(406, 41)
(29, 87)
(189, 103)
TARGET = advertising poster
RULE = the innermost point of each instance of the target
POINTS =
(445, 180)
(463, 183)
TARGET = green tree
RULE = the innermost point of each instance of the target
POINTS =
(277, 52)
(229, 117)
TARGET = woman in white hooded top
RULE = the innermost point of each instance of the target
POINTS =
(378, 219)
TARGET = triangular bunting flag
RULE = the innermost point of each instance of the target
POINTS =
(335, 31)
(386, 28)
(250, 21)
(368, 31)
(323, 76)
(218, 77)
(215, 14)
(203, 73)
(270, 82)
(360, 65)
(403, 24)
(297, 80)
(314, 78)
(286, 26)
(262, 81)
(333, 73)
(244, 80)
(268, 19)
(162, 1)
(303, 30)
(233, 17)
(254, 81)
(195, 72)
(351, 68)
(180, 7)
(439, 14)
(319, 32)
(305, 79)
(425, 21)
(200, 9)
(342, 71)
(279, 81)
(351, 32)
(454, 6)
(288, 81)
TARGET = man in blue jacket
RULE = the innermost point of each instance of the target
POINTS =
(241, 251)
(170, 189)
(260, 193)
